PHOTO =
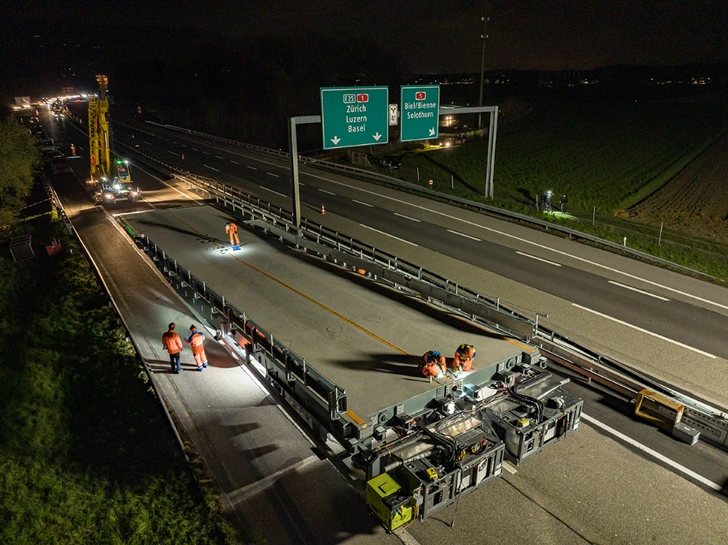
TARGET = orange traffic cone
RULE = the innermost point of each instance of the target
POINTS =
(73, 149)
(323, 210)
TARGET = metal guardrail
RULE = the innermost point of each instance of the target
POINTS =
(712, 421)
(373, 176)
(289, 373)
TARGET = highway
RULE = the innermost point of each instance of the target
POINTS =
(587, 489)
(666, 324)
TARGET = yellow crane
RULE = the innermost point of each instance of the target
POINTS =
(111, 181)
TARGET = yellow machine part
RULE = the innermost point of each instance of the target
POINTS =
(98, 131)
(658, 409)
(432, 473)
(392, 515)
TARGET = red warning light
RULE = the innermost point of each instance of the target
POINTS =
(364, 97)
(420, 95)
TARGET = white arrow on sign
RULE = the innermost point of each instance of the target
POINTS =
(432, 132)
(377, 136)
(336, 140)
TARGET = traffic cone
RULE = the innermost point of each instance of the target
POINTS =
(183, 156)
(323, 210)
(73, 149)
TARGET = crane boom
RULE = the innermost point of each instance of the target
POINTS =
(111, 181)
(98, 131)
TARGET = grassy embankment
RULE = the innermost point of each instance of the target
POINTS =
(604, 156)
(86, 453)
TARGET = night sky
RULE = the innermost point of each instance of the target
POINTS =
(430, 35)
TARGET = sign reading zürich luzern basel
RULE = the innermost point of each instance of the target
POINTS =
(354, 116)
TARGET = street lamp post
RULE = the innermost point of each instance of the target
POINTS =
(484, 36)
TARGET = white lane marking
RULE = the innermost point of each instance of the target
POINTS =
(219, 156)
(540, 259)
(234, 162)
(327, 192)
(148, 143)
(276, 192)
(509, 467)
(383, 233)
(463, 235)
(184, 145)
(273, 174)
(252, 168)
(173, 153)
(681, 468)
(211, 168)
(407, 217)
(362, 203)
(174, 142)
(525, 241)
(195, 149)
(206, 152)
(639, 291)
(645, 331)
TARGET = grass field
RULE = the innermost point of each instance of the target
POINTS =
(86, 453)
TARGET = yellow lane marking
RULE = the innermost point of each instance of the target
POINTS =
(327, 309)
(297, 292)
(519, 345)
(354, 417)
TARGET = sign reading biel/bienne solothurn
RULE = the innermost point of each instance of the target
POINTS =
(354, 116)
(420, 107)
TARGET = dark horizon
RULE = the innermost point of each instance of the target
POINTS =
(420, 37)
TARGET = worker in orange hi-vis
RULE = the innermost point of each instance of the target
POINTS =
(196, 341)
(73, 149)
(232, 229)
(172, 343)
(433, 364)
(463, 360)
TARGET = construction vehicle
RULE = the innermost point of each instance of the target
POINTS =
(110, 181)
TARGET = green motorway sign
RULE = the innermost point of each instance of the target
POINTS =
(420, 107)
(354, 116)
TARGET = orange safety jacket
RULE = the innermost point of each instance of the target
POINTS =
(232, 229)
(172, 342)
(433, 364)
(464, 356)
(195, 341)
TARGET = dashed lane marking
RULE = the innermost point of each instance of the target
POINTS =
(387, 234)
(645, 331)
(272, 191)
(539, 259)
(407, 217)
(639, 291)
(463, 235)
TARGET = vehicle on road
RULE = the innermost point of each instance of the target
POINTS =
(59, 164)
(389, 161)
